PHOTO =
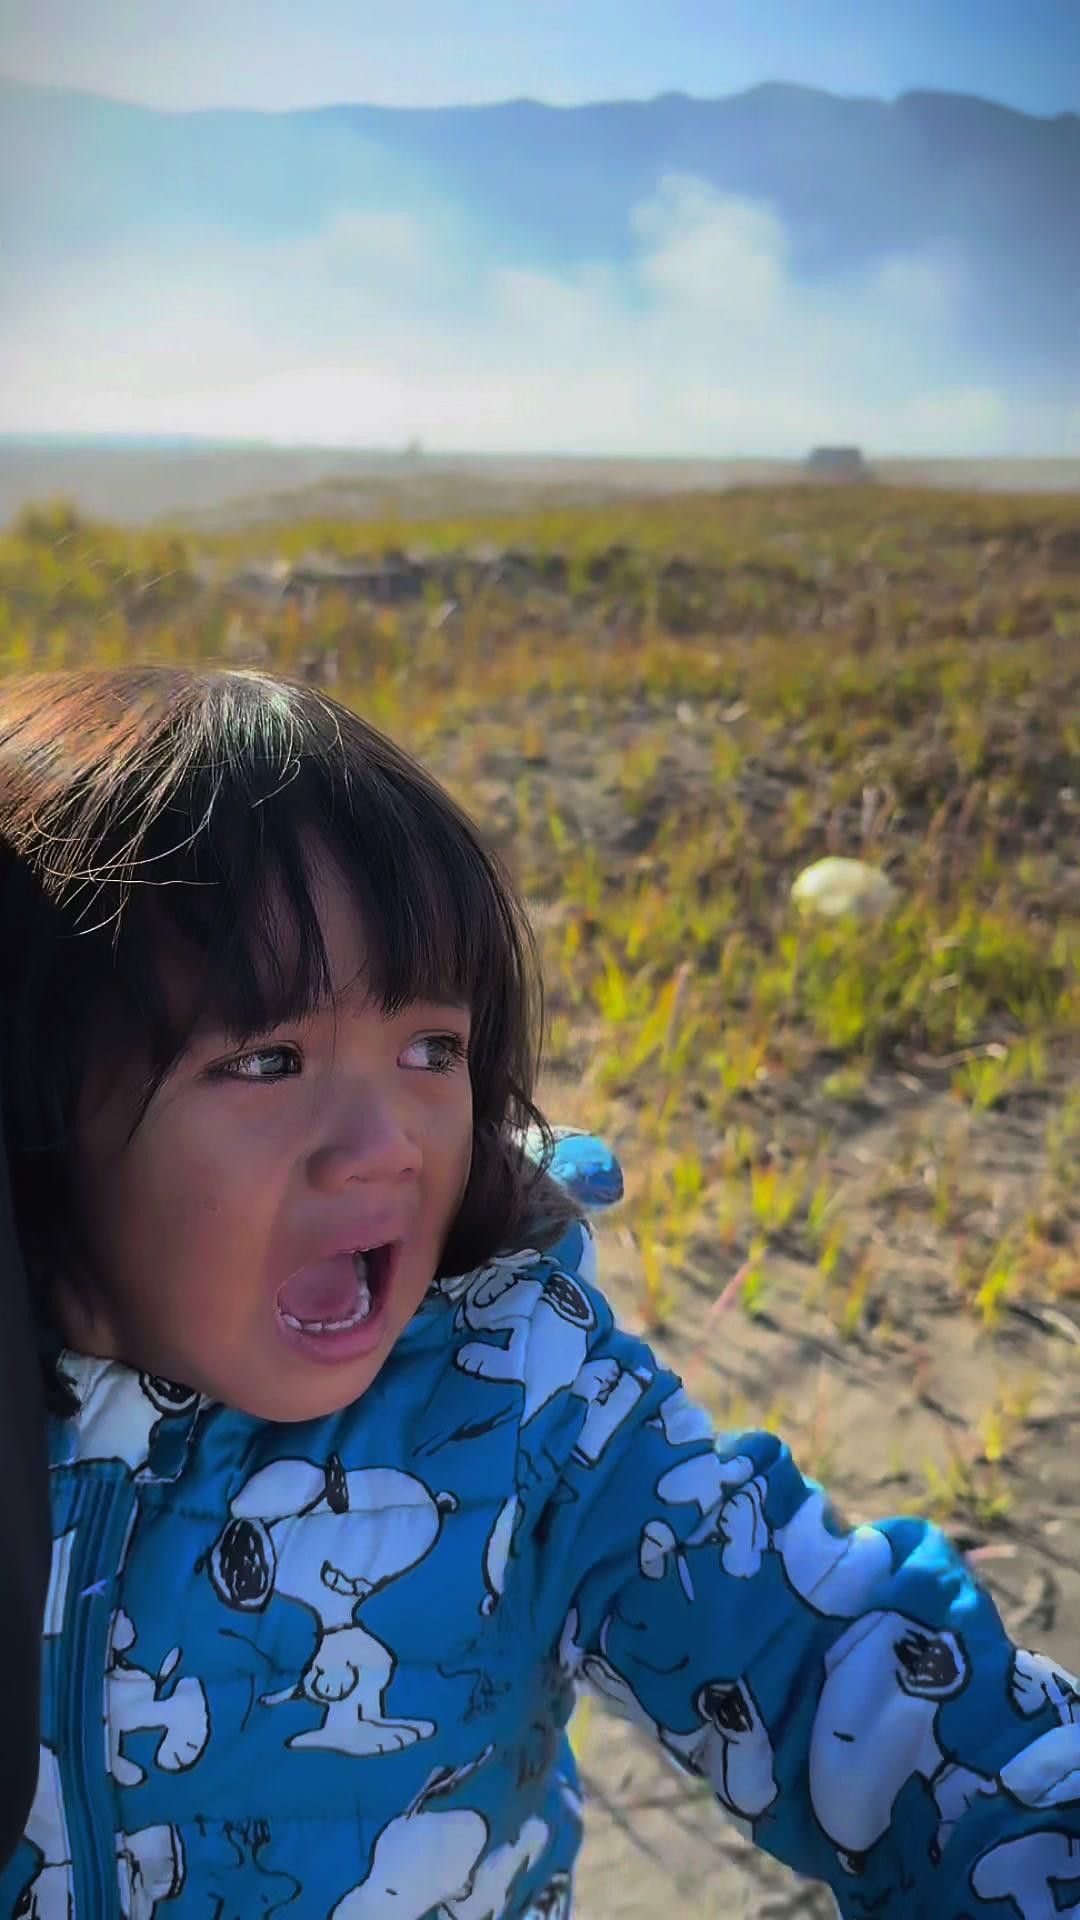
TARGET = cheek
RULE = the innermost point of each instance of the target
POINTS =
(460, 1160)
(173, 1185)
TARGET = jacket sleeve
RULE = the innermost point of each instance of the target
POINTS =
(25, 1532)
(851, 1698)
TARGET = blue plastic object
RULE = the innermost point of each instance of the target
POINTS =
(583, 1163)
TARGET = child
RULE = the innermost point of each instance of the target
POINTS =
(354, 1477)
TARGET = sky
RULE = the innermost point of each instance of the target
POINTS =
(276, 54)
(705, 343)
(375, 328)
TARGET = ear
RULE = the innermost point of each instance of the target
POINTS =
(242, 1565)
(284, 1487)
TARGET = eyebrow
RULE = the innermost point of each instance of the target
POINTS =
(354, 999)
(350, 999)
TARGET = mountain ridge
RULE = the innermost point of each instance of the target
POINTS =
(828, 209)
(789, 88)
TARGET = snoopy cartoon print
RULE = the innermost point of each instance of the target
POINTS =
(554, 1902)
(330, 1539)
(122, 1415)
(533, 1320)
(1043, 1776)
(1036, 1683)
(1045, 1773)
(51, 1893)
(610, 1393)
(138, 1701)
(832, 1573)
(730, 1748)
(432, 1860)
(149, 1863)
(1034, 1872)
(885, 1672)
(151, 1869)
(498, 1550)
(235, 1880)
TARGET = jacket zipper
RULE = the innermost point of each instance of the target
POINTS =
(106, 1512)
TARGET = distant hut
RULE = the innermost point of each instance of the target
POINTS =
(386, 582)
(838, 463)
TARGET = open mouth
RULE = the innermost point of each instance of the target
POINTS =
(350, 1586)
(354, 1294)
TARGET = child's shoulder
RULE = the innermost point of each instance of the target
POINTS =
(552, 1273)
(535, 1323)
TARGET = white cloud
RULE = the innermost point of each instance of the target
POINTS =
(380, 328)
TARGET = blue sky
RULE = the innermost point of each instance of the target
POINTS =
(378, 324)
(279, 53)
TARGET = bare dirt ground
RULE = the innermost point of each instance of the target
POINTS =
(979, 1428)
(866, 1423)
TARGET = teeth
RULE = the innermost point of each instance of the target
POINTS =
(359, 1313)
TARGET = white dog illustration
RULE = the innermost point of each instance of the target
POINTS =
(495, 1876)
(121, 1413)
(1043, 1775)
(428, 1861)
(680, 1419)
(554, 1903)
(1036, 1682)
(538, 1319)
(730, 1749)
(330, 1539)
(498, 1550)
(150, 1863)
(612, 1393)
(1026, 1871)
(885, 1672)
(1046, 1773)
(730, 1496)
(138, 1700)
(151, 1870)
(51, 1893)
(833, 1573)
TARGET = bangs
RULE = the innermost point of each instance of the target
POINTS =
(241, 912)
(220, 896)
(166, 834)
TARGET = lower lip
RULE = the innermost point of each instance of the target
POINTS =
(348, 1343)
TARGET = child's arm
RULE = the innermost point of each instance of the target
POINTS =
(851, 1699)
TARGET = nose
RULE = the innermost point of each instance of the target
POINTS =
(367, 1140)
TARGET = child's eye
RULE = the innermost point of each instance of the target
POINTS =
(234, 1069)
(451, 1045)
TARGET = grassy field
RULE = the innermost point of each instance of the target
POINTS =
(851, 1150)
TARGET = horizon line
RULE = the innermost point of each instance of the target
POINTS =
(530, 100)
(431, 457)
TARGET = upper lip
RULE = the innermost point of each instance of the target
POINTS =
(377, 1234)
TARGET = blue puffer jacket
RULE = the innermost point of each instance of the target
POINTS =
(325, 1669)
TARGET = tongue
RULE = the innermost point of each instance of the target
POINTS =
(327, 1290)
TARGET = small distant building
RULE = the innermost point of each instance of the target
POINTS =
(838, 463)
(385, 582)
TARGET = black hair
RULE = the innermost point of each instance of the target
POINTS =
(151, 807)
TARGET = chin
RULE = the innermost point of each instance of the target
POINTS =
(308, 1400)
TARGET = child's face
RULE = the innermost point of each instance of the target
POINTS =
(331, 1140)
